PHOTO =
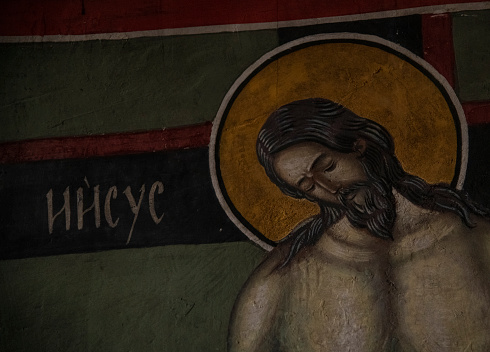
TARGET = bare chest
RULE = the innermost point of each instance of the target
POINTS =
(335, 308)
(436, 297)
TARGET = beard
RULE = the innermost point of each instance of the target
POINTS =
(369, 204)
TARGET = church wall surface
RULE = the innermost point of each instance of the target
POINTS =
(112, 237)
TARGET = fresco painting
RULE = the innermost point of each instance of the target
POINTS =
(269, 177)
(372, 81)
(388, 261)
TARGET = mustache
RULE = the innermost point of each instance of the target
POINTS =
(370, 204)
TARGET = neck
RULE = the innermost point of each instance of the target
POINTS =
(345, 241)
(417, 228)
(410, 218)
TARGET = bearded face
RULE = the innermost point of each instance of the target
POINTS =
(338, 180)
(370, 205)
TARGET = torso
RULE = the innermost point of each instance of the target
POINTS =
(442, 280)
(330, 305)
(425, 292)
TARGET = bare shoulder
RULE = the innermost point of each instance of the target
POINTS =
(441, 229)
(482, 226)
(479, 236)
(265, 278)
(441, 277)
(476, 236)
(253, 315)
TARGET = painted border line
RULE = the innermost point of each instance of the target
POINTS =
(438, 46)
(437, 41)
(477, 112)
(423, 10)
(105, 145)
(146, 142)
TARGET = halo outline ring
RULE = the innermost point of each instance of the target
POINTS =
(240, 82)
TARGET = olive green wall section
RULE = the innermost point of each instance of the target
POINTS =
(174, 298)
(82, 88)
(471, 33)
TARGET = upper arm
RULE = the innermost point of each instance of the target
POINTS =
(254, 315)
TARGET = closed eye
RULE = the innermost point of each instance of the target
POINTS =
(330, 167)
(306, 184)
(309, 188)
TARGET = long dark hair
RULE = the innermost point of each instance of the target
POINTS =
(334, 126)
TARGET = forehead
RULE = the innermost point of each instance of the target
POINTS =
(291, 163)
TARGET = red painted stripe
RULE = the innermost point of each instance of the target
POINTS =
(145, 142)
(477, 112)
(78, 17)
(105, 145)
(437, 40)
(439, 52)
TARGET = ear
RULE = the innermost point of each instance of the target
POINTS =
(360, 146)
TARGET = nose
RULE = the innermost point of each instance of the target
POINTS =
(328, 185)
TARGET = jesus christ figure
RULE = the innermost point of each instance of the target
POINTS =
(391, 263)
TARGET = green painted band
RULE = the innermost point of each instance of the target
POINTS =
(97, 87)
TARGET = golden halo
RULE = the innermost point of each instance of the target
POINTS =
(370, 76)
